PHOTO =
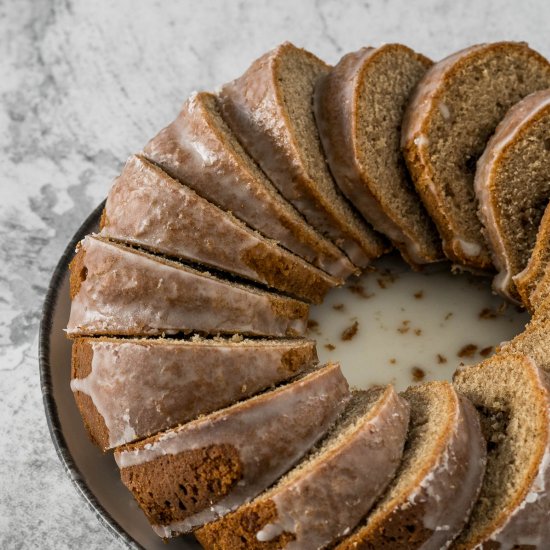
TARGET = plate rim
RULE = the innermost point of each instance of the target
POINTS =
(52, 415)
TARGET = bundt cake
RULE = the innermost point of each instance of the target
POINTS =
(435, 488)
(359, 109)
(128, 389)
(513, 401)
(527, 280)
(512, 185)
(117, 290)
(453, 112)
(147, 208)
(270, 110)
(198, 472)
(331, 490)
(220, 419)
(199, 150)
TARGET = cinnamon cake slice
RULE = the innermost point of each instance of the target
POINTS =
(148, 208)
(359, 106)
(270, 109)
(200, 150)
(451, 116)
(198, 472)
(534, 341)
(118, 290)
(130, 388)
(512, 184)
(527, 280)
(429, 501)
(331, 489)
(512, 397)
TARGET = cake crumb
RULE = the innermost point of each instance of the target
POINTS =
(441, 359)
(312, 324)
(330, 347)
(468, 350)
(359, 290)
(350, 332)
(338, 307)
(418, 331)
(381, 283)
(487, 313)
(448, 316)
(393, 360)
(485, 352)
(404, 328)
(418, 374)
(419, 295)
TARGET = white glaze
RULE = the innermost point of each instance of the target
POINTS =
(282, 425)
(511, 127)
(253, 107)
(142, 387)
(146, 207)
(528, 524)
(328, 499)
(127, 292)
(192, 150)
(336, 105)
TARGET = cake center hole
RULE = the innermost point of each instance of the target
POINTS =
(396, 325)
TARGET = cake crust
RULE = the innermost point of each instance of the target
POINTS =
(325, 497)
(491, 185)
(441, 491)
(199, 150)
(251, 444)
(147, 208)
(117, 290)
(339, 99)
(255, 108)
(128, 389)
(428, 109)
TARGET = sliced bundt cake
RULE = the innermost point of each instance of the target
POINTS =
(200, 150)
(512, 397)
(118, 290)
(512, 185)
(331, 490)
(429, 501)
(198, 472)
(148, 208)
(359, 106)
(452, 114)
(527, 280)
(127, 389)
(270, 110)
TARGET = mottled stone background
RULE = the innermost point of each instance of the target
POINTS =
(85, 83)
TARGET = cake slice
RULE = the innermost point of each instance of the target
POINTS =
(270, 109)
(359, 112)
(533, 342)
(527, 280)
(429, 501)
(199, 150)
(128, 389)
(331, 490)
(147, 208)
(539, 296)
(512, 397)
(118, 290)
(198, 472)
(451, 116)
(512, 184)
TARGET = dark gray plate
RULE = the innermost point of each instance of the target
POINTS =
(95, 475)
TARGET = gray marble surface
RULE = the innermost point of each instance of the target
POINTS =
(84, 84)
